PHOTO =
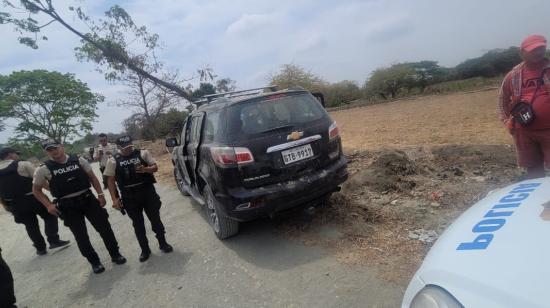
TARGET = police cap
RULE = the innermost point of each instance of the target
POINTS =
(50, 143)
(4, 152)
(124, 141)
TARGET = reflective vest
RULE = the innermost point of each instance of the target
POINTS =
(13, 185)
(125, 172)
(67, 178)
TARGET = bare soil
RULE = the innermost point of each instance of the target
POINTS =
(415, 165)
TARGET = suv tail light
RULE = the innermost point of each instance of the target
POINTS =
(333, 131)
(227, 156)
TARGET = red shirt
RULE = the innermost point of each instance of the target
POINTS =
(541, 104)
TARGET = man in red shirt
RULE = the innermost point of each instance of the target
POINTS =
(529, 82)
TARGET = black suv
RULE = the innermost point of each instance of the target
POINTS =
(249, 154)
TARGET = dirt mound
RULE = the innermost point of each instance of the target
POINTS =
(397, 201)
(385, 173)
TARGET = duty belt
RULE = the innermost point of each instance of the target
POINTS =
(25, 195)
(85, 195)
(133, 187)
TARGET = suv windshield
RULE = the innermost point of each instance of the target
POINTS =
(271, 113)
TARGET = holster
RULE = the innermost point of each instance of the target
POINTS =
(59, 208)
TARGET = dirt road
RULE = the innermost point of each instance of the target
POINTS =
(258, 268)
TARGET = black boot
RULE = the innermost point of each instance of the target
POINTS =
(118, 259)
(58, 243)
(144, 256)
(163, 245)
(98, 268)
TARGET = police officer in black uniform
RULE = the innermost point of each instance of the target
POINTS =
(133, 169)
(7, 295)
(16, 195)
(69, 178)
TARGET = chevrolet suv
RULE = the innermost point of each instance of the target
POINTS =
(254, 153)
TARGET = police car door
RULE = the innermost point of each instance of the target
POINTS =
(193, 144)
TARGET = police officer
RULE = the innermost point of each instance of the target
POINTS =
(7, 295)
(16, 195)
(133, 169)
(69, 178)
(104, 151)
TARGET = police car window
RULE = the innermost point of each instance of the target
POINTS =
(211, 126)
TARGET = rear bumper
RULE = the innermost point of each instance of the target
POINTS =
(285, 195)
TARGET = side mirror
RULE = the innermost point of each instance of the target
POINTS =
(320, 97)
(171, 142)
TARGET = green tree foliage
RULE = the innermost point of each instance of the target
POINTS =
(171, 122)
(48, 104)
(205, 88)
(493, 63)
(292, 75)
(108, 42)
(427, 73)
(225, 85)
(167, 124)
(341, 92)
(387, 82)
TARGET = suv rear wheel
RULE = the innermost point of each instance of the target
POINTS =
(223, 226)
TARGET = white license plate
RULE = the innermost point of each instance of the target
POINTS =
(297, 154)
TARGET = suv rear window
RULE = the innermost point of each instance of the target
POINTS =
(272, 112)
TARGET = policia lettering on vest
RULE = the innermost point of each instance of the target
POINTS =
(16, 196)
(70, 178)
(132, 171)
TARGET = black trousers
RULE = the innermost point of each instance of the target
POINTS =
(144, 198)
(7, 294)
(87, 206)
(102, 169)
(25, 211)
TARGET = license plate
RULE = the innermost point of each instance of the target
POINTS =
(297, 154)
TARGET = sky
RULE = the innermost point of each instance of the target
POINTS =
(247, 40)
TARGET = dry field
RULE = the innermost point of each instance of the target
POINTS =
(460, 118)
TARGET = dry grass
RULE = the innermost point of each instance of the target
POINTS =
(461, 118)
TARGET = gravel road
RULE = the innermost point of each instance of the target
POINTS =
(257, 268)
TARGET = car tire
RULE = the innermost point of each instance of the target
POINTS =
(223, 226)
(179, 181)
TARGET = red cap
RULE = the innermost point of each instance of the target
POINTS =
(533, 41)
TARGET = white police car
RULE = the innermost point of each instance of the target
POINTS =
(496, 254)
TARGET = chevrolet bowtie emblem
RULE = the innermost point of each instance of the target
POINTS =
(295, 136)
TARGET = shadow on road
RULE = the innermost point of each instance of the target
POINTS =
(100, 286)
(260, 243)
(170, 263)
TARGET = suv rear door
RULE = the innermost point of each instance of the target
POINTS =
(286, 133)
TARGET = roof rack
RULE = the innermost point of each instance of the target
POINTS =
(211, 97)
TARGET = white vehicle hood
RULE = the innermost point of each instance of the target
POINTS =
(497, 253)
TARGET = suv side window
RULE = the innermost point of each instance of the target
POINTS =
(211, 126)
(183, 136)
(195, 128)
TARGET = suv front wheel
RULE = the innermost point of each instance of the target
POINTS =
(224, 227)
